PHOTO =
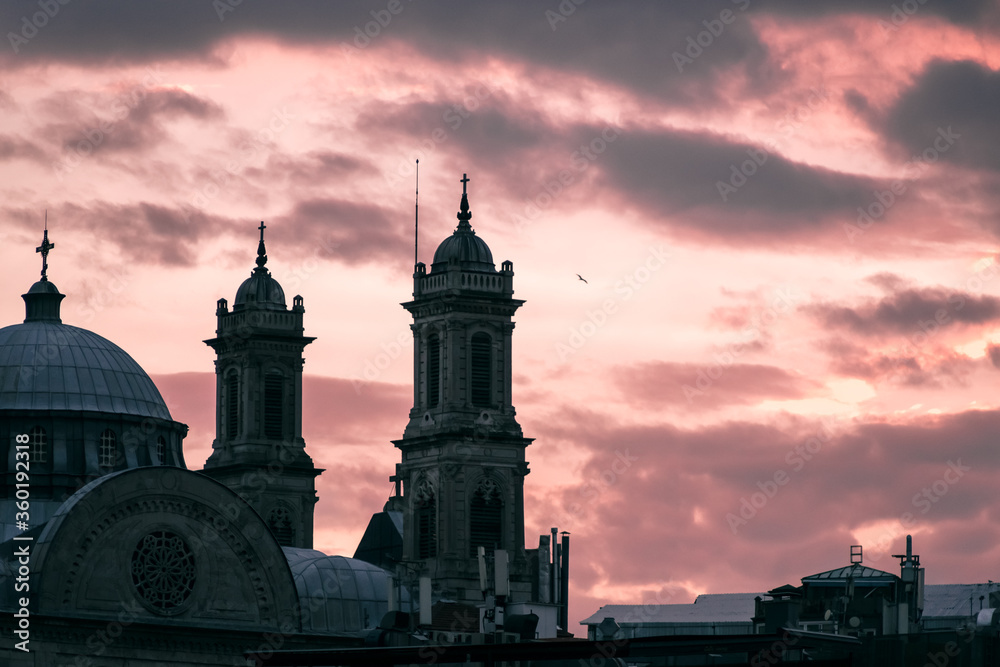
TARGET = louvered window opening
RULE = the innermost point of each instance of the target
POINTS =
(433, 371)
(161, 450)
(38, 449)
(273, 399)
(232, 405)
(485, 523)
(480, 369)
(427, 528)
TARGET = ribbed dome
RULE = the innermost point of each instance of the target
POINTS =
(338, 594)
(464, 246)
(260, 290)
(45, 365)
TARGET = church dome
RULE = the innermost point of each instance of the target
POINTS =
(46, 365)
(338, 594)
(260, 290)
(463, 248)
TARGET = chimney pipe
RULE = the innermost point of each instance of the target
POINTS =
(564, 583)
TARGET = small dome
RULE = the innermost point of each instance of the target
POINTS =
(464, 246)
(43, 287)
(45, 365)
(337, 594)
(260, 290)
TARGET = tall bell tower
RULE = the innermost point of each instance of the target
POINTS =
(461, 479)
(258, 450)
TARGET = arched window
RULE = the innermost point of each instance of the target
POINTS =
(161, 450)
(274, 401)
(279, 520)
(433, 370)
(426, 520)
(39, 445)
(481, 370)
(109, 449)
(232, 404)
(486, 517)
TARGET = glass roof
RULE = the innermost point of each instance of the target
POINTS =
(338, 594)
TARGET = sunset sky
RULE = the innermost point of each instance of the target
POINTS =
(788, 215)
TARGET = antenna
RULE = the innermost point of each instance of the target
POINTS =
(416, 215)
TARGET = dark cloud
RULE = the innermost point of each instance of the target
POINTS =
(353, 233)
(316, 168)
(132, 121)
(693, 487)
(145, 232)
(707, 184)
(12, 148)
(948, 99)
(724, 187)
(716, 383)
(912, 363)
(993, 351)
(962, 12)
(909, 312)
(100, 33)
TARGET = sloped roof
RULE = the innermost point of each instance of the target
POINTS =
(707, 608)
(956, 599)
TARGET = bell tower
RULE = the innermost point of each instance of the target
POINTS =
(460, 483)
(258, 450)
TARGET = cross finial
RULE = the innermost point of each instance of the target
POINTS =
(465, 180)
(261, 251)
(45, 247)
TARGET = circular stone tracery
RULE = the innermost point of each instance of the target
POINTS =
(163, 571)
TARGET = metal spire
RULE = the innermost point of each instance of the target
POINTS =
(44, 248)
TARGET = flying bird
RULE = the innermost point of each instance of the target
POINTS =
(582, 278)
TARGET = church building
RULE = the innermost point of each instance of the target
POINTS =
(113, 550)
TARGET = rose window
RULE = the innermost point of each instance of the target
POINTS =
(163, 571)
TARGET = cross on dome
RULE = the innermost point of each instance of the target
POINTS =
(44, 249)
